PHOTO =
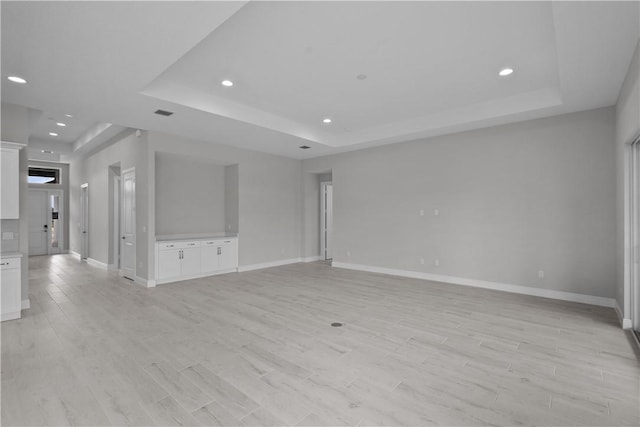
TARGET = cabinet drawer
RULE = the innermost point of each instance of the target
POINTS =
(163, 246)
(9, 263)
(217, 242)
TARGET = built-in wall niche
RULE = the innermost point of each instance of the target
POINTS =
(195, 196)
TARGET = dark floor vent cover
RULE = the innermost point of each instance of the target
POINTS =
(336, 324)
(164, 112)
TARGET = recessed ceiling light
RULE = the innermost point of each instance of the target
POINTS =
(361, 76)
(17, 79)
(53, 134)
(327, 120)
(505, 72)
(68, 115)
(227, 83)
(61, 124)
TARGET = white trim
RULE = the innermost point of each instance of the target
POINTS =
(26, 304)
(311, 258)
(269, 264)
(96, 263)
(112, 267)
(626, 323)
(505, 287)
(74, 254)
(10, 316)
(148, 283)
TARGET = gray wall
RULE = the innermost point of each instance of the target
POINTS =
(232, 198)
(627, 127)
(190, 195)
(130, 151)
(269, 197)
(512, 200)
(14, 128)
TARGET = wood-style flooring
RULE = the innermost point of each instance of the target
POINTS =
(258, 349)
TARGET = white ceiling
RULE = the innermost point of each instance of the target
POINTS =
(431, 67)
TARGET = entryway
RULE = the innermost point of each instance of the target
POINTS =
(46, 223)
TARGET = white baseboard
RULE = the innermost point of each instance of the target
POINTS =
(96, 263)
(148, 283)
(269, 264)
(26, 304)
(626, 323)
(74, 253)
(10, 316)
(112, 267)
(311, 258)
(195, 276)
(505, 287)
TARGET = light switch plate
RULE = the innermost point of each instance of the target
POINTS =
(7, 235)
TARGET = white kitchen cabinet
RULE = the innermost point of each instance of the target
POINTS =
(183, 260)
(10, 181)
(11, 295)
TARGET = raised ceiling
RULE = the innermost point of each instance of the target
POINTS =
(384, 72)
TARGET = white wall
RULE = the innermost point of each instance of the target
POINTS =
(512, 200)
(190, 195)
(627, 128)
(130, 151)
(232, 198)
(269, 192)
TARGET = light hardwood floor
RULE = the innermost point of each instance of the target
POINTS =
(257, 348)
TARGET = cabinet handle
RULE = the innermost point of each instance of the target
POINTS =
(4, 263)
(219, 251)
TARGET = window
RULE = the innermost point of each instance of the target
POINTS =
(43, 175)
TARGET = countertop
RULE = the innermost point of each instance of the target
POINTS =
(185, 237)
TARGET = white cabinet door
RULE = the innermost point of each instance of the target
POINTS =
(190, 261)
(227, 255)
(10, 295)
(169, 264)
(9, 184)
(209, 257)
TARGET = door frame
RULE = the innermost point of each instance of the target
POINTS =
(325, 249)
(61, 217)
(631, 314)
(84, 221)
(121, 270)
(117, 195)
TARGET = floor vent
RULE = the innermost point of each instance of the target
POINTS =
(336, 324)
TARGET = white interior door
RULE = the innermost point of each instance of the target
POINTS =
(326, 220)
(116, 221)
(84, 221)
(38, 223)
(128, 224)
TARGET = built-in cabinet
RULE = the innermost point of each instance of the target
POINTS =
(10, 297)
(190, 259)
(10, 181)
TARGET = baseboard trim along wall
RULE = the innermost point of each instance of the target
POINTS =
(96, 263)
(276, 263)
(75, 254)
(626, 323)
(516, 289)
(147, 283)
(26, 304)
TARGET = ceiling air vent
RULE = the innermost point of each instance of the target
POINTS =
(305, 147)
(164, 112)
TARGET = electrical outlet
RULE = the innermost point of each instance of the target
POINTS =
(421, 212)
(422, 261)
(436, 262)
(348, 253)
(540, 274)
(7, 235)
(282, 250)
(436, 212)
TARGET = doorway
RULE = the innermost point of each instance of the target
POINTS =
(46, 221)
(326, 220)
(128, 224)
(114, 217)
(84, 221)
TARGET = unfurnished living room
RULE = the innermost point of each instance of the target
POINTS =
(331, 213)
